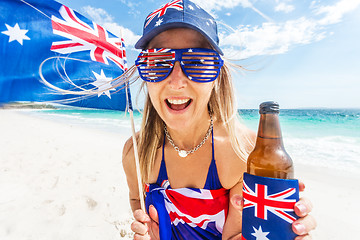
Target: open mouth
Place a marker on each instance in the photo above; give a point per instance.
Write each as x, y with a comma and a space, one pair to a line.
178, 104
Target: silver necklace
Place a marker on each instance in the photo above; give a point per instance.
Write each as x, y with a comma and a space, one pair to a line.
184, 153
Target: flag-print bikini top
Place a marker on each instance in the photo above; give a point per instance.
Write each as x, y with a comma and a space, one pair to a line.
189, 213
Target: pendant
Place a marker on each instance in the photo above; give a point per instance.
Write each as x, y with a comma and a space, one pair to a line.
183, 153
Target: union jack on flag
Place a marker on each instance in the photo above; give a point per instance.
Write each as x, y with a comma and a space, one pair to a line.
85, 38
188, 213
275, 203
269, 207
176, 4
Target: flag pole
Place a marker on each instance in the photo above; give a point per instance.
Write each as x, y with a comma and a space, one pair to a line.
136, 153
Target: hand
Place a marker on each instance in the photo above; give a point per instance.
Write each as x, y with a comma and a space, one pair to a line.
146, 227
306, 222
302, 208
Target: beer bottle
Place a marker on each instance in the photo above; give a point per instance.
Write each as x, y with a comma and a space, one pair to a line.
269, 158
269, 190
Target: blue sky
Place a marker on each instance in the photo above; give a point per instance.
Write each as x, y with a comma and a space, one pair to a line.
299, 53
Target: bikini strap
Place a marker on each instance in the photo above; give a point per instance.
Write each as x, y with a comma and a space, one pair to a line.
162, 172
212, 143
212, 179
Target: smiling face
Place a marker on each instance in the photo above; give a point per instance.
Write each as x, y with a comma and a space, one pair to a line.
180, 102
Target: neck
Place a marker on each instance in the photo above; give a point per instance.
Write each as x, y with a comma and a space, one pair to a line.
187, 139
269, 132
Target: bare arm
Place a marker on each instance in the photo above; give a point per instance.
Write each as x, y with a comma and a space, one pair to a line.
232, 170
232, 226
144, 226
128, 162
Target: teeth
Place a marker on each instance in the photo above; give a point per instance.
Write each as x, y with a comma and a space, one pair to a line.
178, 101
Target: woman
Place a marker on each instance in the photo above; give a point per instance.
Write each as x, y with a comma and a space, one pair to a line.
190, 142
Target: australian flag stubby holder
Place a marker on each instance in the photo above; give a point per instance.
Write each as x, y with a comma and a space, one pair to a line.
269, 208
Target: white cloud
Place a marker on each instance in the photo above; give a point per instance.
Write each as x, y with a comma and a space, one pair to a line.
130, 3
98, 14
284, 7
216, 5
210, 5
133, 5
313, 4
101, 17
275, 38
334, 14
272, 38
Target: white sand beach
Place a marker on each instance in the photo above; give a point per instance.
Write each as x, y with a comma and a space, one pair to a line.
59, 181
62, 181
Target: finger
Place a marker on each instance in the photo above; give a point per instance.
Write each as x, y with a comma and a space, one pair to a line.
139, 228
304, 225
154, 230
304, 237
153, 214
141, 216
142, 237
154, 224
303, 207
237, 201
301, 186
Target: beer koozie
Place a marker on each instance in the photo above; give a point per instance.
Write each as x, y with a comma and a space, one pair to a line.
269, 208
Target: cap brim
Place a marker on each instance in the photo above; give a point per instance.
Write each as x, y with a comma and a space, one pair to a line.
144, 40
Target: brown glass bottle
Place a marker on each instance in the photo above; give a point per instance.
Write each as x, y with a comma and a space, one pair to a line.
269, 158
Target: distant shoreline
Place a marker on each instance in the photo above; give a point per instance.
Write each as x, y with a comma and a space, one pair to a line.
39, 105
27, 105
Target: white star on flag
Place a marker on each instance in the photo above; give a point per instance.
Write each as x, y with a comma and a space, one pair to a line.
190, 50
159, 22
191, 7
15, 33
103, 84
259, 234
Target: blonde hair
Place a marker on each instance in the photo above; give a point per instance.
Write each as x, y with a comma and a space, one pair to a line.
221, 105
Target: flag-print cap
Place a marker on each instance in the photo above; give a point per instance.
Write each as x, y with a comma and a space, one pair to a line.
177, 14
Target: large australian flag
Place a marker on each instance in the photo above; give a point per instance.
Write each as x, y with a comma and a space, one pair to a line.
50, 53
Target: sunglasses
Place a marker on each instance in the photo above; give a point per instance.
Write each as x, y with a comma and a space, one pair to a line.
198, 64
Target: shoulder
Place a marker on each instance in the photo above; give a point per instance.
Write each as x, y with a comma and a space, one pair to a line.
230, 164
128, 154
249, 136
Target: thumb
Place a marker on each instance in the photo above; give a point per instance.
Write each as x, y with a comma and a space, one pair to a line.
237, 201
153, 214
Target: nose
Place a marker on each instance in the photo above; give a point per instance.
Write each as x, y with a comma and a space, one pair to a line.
177, 78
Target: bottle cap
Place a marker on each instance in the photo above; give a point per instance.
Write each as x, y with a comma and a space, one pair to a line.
269, 107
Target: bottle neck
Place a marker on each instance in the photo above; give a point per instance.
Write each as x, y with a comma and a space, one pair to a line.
269, 129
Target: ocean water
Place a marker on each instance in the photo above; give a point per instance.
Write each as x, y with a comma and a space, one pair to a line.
317, 137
